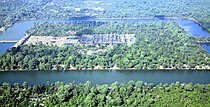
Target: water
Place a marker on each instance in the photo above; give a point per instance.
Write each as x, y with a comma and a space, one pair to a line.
19, 29
206, 47
192, 27
5, 46
105, 77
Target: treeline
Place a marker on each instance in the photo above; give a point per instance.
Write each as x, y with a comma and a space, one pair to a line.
197, 9
205, 40
116, 94
15, 10
158, 46
64, 29
88, 27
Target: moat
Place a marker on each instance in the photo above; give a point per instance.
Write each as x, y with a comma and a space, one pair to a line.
106, 76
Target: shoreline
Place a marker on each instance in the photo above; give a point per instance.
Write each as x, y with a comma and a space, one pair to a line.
203, 42
111, 69
3, 28
188, 18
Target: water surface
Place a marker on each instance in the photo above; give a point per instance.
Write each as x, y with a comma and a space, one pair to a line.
105, 77
192, 27
206, 47
5, 46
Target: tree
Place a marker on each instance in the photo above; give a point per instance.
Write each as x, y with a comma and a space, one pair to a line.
188, 87
25, 85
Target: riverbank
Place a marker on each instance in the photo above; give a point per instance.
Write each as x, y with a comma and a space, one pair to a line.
189, 18
3, 28
201, 68
203, 40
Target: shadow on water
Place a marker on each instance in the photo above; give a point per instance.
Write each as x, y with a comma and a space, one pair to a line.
81, 18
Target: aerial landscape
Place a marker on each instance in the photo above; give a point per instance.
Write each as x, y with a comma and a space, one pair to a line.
94, 53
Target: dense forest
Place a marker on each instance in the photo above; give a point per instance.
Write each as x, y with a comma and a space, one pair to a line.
66, 29
132, 94
12, 11
158, 45
15, 10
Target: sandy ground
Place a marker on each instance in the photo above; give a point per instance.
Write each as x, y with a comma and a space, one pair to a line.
50, 40
59, 41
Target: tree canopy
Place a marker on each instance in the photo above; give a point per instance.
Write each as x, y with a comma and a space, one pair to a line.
116, 94
158, 45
